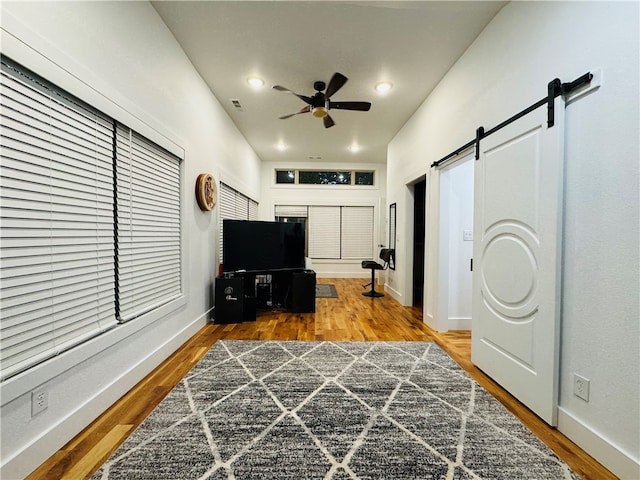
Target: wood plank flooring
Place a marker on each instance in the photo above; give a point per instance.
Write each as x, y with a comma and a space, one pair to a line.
351, 317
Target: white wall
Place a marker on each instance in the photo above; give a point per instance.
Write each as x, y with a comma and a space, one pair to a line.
506, 69
120, 57
342, 195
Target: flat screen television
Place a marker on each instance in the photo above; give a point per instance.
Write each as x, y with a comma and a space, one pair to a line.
254, 246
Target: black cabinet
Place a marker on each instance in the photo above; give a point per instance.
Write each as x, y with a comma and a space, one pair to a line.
236, 297
235, 303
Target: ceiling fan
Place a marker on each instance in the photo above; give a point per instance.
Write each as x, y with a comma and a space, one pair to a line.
320, 103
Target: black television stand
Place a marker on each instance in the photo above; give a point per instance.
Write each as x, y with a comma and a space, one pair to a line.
238, 294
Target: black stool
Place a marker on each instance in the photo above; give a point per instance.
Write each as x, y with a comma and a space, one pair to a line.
385, 254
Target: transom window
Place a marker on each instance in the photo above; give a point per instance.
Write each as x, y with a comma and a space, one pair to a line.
325, 177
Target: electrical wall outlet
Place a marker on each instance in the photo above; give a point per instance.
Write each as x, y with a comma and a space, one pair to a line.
467, 235
581, 387
39, 401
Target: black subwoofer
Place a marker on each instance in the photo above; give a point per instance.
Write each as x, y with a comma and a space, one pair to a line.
303, 292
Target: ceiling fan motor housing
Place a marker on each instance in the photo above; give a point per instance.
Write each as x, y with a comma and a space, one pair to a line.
320, 103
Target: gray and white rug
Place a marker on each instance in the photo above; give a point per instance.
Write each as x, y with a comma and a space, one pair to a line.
326, 290
331, 410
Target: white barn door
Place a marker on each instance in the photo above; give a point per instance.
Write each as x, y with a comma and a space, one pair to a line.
517, 252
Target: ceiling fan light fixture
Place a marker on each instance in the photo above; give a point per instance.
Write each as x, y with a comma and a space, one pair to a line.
319, 112
383, 87
255, 82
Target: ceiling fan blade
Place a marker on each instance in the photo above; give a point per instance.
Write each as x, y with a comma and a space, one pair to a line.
304, 98
361, 106
306, 109
336, 83
328, 122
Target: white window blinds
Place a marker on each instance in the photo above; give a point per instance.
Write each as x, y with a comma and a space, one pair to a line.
298, 211
56, 214
340, 232
357, 232
253, 210
148, 225
324, 232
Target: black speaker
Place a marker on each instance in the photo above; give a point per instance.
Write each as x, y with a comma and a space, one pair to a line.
263, 294
303, 292
232, 305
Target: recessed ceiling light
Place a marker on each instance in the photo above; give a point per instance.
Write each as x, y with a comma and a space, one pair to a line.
354, 148
383, 87
281, 146
255, 82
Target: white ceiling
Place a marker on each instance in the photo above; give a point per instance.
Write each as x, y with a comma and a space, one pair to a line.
294, 43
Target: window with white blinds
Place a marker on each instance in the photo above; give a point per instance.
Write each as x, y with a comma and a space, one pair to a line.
324, 232
234, 205
297, 211
148, 225
340, 232
56, 222
89, 222
357, 232
253, 210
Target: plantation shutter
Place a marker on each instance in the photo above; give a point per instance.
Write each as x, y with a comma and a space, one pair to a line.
324, 232
148, 225
56, 221
357, 232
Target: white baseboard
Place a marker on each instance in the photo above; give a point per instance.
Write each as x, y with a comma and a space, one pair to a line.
50, 441
394, 293
605, 452
430, 320
463, 323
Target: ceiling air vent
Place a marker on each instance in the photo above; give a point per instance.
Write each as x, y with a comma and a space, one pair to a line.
236, 103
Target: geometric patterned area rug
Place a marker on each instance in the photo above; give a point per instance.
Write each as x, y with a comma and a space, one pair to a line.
331, 410
326, 290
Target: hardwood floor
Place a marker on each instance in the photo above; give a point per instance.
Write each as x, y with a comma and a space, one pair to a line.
350, 317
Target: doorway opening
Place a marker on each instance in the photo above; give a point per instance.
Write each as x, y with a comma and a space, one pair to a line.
419, 229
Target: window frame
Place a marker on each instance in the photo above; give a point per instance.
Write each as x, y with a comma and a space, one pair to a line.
343, 239
16, 383
352, 182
